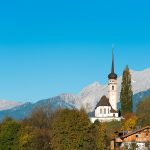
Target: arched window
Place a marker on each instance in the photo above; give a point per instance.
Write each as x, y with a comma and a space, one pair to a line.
104, 111
113, 87
100, 111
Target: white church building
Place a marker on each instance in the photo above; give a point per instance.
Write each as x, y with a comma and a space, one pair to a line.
106, 109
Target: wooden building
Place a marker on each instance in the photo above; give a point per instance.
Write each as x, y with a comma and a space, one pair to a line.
138, 139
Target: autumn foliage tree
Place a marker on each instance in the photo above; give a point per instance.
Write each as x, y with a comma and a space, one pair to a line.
25, 137
35, 131
111, 128
129, 122
143, 112
72, 131
100, 135
9, 139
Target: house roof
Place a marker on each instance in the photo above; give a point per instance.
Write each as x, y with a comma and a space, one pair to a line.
134, 132
104, 101
113, 111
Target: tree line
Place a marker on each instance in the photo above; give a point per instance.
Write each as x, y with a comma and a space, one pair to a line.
66, 129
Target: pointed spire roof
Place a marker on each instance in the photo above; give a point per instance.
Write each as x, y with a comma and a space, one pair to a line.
112, 68
112, 75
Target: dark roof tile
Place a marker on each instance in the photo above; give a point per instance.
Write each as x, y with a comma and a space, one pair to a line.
113, 111
104, 101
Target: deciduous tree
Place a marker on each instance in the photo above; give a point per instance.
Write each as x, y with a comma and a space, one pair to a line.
71, 130
9, 139
143, 112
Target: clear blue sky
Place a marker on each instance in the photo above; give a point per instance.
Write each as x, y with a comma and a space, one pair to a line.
52, 47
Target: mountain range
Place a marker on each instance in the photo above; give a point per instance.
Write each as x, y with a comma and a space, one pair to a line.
87, 98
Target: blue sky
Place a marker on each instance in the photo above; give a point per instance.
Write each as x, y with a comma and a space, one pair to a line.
53, 47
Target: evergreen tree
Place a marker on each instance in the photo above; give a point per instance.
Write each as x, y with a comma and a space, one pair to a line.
126, 92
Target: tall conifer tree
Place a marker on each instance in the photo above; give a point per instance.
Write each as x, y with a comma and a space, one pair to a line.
126, 92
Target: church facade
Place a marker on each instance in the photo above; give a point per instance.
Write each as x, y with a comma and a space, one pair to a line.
106, 109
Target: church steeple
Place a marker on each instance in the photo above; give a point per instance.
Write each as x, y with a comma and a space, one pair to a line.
112, 75
113, 85
112, 69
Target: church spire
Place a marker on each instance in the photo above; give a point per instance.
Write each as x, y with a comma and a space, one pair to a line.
112, 75
112, 69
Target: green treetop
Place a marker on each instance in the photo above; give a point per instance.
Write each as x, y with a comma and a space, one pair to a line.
126, 92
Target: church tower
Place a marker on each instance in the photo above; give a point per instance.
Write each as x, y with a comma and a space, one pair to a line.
106, 108
112, 84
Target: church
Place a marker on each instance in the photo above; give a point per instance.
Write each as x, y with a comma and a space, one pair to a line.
106, 109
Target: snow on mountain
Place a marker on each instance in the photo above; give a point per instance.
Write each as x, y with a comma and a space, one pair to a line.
5, 104
91, 94
70, 98
140, 80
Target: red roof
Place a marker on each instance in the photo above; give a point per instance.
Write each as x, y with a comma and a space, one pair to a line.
134, 132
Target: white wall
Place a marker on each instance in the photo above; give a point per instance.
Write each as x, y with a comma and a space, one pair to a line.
141, 146
102, 119
113, 93
108, 114
97, 111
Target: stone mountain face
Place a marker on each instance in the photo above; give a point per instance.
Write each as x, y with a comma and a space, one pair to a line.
87, 98
140, 81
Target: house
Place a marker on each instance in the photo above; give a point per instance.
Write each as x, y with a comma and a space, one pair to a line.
138, 139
